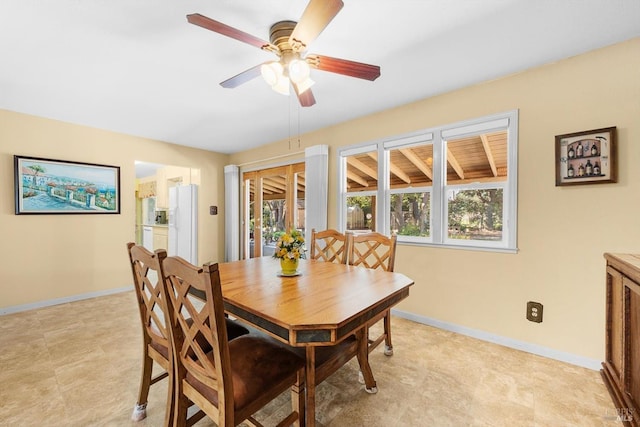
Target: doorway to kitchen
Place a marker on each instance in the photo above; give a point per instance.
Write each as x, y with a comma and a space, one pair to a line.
274, 203
166, 208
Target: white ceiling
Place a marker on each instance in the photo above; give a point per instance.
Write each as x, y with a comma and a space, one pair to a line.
139, 68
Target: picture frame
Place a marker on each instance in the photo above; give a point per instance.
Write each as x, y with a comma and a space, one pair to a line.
48, 186
587, 157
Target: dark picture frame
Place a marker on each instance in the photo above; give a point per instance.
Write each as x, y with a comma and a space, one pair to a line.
48, 186
587, 157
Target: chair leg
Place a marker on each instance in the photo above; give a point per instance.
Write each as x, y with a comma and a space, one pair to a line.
388, 347
171, 407
297, 399
181, 403
140, 410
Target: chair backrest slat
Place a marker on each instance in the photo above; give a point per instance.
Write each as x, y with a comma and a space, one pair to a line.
145, 266
329, 245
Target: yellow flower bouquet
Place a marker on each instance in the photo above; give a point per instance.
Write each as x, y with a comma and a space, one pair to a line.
290, 246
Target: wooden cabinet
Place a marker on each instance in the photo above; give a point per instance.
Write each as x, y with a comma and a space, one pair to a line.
621, 368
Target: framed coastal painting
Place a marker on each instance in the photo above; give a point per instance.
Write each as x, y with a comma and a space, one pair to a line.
587, 157
47, 186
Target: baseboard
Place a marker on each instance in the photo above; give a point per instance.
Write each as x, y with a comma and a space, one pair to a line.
48, 303
463, 330
550, 353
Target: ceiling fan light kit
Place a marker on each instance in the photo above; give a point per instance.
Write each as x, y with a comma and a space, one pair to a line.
282, 85
298, 70
278, 76
271, 72
289, 40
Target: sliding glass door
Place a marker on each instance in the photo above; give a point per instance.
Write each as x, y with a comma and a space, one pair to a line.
273, 205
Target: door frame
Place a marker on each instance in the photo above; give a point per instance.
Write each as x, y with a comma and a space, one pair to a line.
289, 171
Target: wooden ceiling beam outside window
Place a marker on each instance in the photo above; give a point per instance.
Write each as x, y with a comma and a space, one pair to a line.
394, 169
252, 189
417, 162
451, 159
274, 184
477, 158
267, 189
362, 167
355, 178
302, 185
487, 150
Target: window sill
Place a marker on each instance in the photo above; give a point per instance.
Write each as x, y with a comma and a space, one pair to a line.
460, 247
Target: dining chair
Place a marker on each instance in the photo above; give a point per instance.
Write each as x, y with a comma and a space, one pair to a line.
329, 245
374, 250
146, 266
233, 379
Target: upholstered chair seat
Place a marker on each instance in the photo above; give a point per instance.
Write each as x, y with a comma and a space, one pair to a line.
257, 364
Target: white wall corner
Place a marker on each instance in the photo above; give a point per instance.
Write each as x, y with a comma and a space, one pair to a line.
317, 192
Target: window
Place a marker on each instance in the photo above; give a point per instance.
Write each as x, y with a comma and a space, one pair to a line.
361, 188
410, 176
453, 185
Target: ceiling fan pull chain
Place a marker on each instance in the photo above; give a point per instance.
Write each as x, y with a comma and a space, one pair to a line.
289, 127
298, 108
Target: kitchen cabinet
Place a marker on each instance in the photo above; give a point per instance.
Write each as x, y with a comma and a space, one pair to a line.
621, 368
146, 189
170, 176
160, 237
162, 194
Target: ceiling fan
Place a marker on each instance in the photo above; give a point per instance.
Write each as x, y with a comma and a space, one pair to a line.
289, 41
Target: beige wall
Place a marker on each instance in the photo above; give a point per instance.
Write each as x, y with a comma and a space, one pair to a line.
562, 231
45, 257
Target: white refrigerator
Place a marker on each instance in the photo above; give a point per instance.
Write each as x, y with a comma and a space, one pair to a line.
183, 222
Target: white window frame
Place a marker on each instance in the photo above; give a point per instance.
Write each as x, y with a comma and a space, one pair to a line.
342, 182
438, 137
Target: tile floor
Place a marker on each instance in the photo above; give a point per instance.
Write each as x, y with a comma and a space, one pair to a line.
78, 364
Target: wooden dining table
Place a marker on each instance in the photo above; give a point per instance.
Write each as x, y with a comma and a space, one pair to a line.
323, 305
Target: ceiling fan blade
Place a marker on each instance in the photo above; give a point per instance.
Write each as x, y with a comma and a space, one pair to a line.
306, 98
343, 66
242, 78
225, 30
314, 19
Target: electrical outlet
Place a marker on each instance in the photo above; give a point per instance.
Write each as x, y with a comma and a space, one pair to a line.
534, 312
213, 210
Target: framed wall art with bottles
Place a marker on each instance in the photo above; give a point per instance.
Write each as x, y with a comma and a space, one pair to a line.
587, 157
